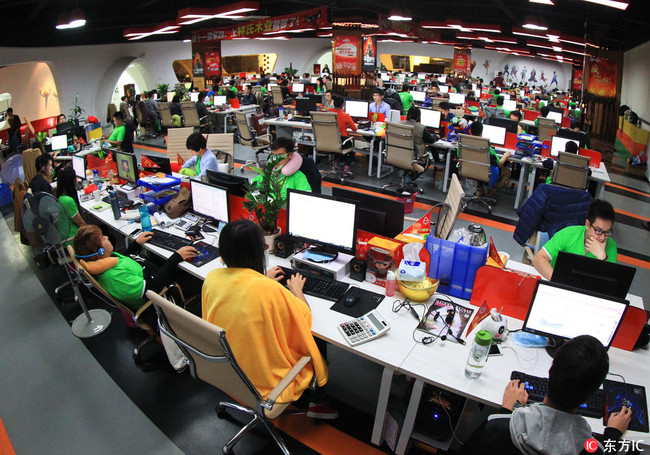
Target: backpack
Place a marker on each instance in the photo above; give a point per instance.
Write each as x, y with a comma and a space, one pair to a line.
393, 99
179, 204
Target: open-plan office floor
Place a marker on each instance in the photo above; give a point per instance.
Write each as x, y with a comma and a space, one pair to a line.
62, 395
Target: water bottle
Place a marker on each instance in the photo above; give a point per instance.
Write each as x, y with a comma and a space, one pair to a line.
478, 354
145, 220
114, 205
390, 283
96, 179
281, 113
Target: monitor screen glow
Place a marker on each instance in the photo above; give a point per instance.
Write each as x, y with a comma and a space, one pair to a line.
556, 116
558, 144
456, 98
298, 88
220, 100
506, 96
510, 105
209, 200
127, 166
59, 142
496, 134
79, 166
430, 118
194, 96
568, 313
442, 79
385, 77
443, 88
418, 96
357, 108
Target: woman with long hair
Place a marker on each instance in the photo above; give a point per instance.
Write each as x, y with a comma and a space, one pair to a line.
66, 192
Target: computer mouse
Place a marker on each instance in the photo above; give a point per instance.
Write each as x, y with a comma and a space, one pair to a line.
350, 301
208, 228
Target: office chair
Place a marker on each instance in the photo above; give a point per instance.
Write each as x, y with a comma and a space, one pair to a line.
400, 148
571, 170
112, 109
192, 120
474, 156
165, 115
29, 164
211, 360
176, 140
149, 129
276, 96
261, 144
327, 137
222, 144
546, 128
449, 209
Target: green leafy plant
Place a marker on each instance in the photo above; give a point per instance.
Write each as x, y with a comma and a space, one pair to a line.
291, 70
76, 111
180, 90
162, 90
261, 196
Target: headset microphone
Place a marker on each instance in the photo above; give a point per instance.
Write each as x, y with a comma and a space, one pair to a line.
99, 252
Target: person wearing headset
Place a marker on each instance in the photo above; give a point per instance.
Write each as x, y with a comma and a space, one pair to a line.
122, 277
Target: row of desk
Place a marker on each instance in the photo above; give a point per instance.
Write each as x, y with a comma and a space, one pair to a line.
440, 363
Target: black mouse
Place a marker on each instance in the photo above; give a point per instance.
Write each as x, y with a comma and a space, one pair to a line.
350, 301
208, 228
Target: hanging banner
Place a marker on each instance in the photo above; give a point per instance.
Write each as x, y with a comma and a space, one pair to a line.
602, 78
577, 79
369, 53
314, 18
462, 60
346, 53
206, 59
406, 30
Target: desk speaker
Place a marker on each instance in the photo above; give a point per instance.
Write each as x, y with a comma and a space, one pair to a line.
358, 269
283, 246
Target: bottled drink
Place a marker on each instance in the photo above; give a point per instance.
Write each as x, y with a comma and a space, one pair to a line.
281, 112
144, 218
478, 354
114, 205
96, 178
390, 283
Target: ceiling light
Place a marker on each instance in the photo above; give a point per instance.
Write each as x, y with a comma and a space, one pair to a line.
188, 16
165, 28
533, 22
612, 3
543, 2
187, 40
77, 18
397, 14
63, 22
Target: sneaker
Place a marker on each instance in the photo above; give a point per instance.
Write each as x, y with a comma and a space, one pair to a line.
322, 411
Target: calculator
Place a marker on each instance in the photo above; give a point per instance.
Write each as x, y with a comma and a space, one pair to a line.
365, 328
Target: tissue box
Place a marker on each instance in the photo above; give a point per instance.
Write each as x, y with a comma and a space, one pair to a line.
411, 270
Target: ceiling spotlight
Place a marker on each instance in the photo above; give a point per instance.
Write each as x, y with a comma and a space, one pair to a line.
612, 3
63, 22
533, 22
77, 18
543, 2
397, 14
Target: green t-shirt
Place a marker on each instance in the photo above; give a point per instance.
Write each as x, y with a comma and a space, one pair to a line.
125, 282
118, 134
71, 210
296, 181
407, 101
572, 240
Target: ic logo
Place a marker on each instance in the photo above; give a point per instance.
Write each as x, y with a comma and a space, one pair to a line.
591, 445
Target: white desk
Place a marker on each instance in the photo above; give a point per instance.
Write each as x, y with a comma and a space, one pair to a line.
231, 112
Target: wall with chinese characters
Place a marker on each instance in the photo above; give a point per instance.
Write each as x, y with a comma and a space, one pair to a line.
636, 90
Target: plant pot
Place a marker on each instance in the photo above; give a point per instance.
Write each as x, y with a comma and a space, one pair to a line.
270, 240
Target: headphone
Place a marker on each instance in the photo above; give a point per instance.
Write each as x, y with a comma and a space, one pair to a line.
100, 252
447, 320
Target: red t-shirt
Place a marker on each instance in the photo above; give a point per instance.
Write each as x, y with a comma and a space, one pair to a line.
345, 121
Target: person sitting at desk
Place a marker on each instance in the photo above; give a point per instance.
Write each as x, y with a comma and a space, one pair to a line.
292, 177
203, 158
344, 122
66, 192
201, 108
122, 277
247, 96
516, 116
119, 131
579, 368
61, 119
152, 104
406, 97
230, 87
379, 106
284, 89
328, 100
305, 79
594, 239
268, 326
421, 136
40, 182
445, 113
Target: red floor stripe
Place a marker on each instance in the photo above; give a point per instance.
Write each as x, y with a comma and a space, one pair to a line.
633, 261
153, 149
6, 448
633, 215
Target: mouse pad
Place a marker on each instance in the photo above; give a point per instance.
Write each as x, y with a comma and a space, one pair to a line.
633, 396
367, 301
206, 254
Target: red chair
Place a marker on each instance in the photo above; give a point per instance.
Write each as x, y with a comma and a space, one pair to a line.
594, 157
530, 115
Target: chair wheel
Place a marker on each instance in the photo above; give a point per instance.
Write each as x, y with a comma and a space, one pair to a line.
227, 451
221, 412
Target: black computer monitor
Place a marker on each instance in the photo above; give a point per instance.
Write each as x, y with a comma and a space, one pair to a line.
580, 136
210, 201
65, 128
509, 125
326, 223
559, 110
235, 185
305, 105
375, 214
162, 164
127, 166
603, 277
562, 313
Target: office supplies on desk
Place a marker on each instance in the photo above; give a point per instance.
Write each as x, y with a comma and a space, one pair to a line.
168, 241
205, 253
633, 397
364, 301
446, 318
317, 285
538, 387
365, 328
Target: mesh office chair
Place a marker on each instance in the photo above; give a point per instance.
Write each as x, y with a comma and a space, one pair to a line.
474, 157
146, 126
276, 96
546, 128
165, 115
328, 140
112, 109
192, 120
399, 152
211, 360
261, 144
571, 170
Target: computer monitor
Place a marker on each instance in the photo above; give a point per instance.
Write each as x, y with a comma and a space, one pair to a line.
161, 164
79, 166
509, 125
357, 108
430, 118
297, 88
194, 96
563, 313
66, 128
375, 214
580, 136
422, 75
456, 98
442, 79
475, 89
170, 96
325, 222
496, 134
510, 105
591, 274
59, 142
385, 77
522, 94
506, 96
235, 184
559, 110
209, 201
418, 96
220, 100
556, 116
127, 166
314, 79
305, 104
443, 89
558, 144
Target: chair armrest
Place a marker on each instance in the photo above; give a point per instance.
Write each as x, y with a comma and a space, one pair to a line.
147, 304
268, 136
288, 379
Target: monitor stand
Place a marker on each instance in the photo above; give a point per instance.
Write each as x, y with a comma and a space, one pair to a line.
128, 187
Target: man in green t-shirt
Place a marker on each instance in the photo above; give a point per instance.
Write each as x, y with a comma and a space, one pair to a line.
119, 131
293, 177
406, 97
594, 239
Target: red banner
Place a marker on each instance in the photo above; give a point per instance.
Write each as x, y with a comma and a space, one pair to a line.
346, 53
577, 79
369, 53
602, 78
462, 60
206, 59
313, 18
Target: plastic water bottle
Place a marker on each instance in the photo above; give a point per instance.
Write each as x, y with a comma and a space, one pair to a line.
390, 283
281, 113
478, 354
114, 205
145, 220
96, 179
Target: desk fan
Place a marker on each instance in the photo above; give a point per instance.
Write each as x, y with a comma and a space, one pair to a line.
47, 226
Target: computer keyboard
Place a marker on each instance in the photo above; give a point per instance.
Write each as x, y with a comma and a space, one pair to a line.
168, 241
537, 388
317, 286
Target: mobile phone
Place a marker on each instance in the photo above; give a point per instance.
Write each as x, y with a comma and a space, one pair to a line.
135, 233
495, 349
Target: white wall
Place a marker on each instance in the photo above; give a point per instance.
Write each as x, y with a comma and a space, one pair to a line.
636, 85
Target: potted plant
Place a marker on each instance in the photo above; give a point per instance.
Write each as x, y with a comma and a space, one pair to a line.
291, 71
76, 111
261, 197
162, 91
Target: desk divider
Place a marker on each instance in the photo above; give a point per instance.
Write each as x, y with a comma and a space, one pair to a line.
511, 141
